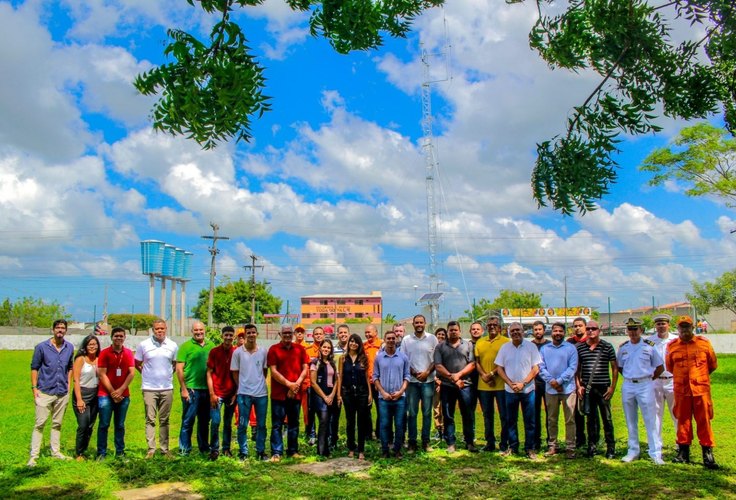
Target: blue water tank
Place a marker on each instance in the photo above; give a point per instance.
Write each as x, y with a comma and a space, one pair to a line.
152, 256
185, 276
169, 260
179, 264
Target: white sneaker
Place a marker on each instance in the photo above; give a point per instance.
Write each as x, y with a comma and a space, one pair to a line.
60, 456
630, 457
31, 463
658, 461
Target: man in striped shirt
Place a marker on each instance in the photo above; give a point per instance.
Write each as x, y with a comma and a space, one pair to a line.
595, 357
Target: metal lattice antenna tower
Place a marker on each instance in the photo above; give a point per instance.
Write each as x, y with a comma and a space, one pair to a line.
431, 164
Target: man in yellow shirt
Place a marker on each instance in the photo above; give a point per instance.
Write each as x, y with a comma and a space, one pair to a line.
490, 385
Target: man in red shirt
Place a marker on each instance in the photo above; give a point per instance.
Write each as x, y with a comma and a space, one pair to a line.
115, 369
289, 364
222, 393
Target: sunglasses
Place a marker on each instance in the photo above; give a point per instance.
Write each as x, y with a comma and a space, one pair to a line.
591, 329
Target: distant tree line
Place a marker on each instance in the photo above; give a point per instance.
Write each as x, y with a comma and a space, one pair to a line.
31, 311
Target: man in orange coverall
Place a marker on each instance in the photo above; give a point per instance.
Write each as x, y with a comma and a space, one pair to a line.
691, 360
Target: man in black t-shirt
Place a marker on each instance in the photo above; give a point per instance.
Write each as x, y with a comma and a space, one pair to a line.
595, 358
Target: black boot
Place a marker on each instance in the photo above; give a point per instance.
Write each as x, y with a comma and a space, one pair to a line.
683, 454
709, 460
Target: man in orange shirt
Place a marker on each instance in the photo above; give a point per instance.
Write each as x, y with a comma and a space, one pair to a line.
691, 360
371, 346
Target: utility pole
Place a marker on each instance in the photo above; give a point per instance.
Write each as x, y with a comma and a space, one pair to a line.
252, 268
213, 251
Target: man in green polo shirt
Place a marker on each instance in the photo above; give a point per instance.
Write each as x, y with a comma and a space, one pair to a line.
191, 370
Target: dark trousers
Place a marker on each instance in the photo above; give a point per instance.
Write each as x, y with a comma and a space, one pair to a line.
325, 414
216, 416
486, 403
600, 407
335, 424
310, 429
526, 401
288, 409
86, 419
452, 396
356, 410
539, 423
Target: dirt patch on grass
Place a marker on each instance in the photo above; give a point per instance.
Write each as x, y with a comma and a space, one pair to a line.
341, 465
162, 491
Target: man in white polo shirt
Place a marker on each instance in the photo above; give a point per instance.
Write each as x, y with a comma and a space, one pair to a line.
155, 359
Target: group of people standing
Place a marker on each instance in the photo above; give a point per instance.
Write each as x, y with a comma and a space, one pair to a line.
438, 372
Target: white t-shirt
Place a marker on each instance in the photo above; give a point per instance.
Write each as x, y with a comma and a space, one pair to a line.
158, 364
251, 381
517, 362
420, 353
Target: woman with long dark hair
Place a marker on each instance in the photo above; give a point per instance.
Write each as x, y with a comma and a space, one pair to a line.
355, 394
324, 376
84, 373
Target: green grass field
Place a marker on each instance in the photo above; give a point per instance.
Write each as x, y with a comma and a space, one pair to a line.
433, 475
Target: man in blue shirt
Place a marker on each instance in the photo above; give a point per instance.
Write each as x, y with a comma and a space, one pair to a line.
51, 373
391, 377
557, 369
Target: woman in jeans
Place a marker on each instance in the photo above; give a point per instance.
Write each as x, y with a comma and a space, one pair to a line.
355, 394
324, 378
84, 373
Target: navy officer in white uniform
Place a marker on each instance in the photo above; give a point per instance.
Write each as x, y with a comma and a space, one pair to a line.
640, 364
664, 390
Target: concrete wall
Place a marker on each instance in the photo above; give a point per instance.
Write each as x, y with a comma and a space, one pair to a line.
722, 343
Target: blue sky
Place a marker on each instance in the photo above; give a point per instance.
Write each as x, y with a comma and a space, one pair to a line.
331, 194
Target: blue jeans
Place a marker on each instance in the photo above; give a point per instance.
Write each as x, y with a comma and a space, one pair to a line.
513, 400
392, 412
227, 429
245, 403
197, 407
416, 392
486, 403
108, 408
465, 399
280, 410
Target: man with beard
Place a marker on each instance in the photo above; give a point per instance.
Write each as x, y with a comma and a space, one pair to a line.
454, 361
51, 372
558, 367
419, 348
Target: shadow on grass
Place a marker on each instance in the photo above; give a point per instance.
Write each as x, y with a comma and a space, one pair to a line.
14, 482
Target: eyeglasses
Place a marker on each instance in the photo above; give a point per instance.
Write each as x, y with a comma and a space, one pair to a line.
591, 329
493, 325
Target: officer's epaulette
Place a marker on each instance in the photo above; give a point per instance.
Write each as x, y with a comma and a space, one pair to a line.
623, 344
648, 342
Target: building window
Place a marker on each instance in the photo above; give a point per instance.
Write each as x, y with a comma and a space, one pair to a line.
359, 302
340, 315
323, 302
324, 315
305, 315
358, 315
341, 302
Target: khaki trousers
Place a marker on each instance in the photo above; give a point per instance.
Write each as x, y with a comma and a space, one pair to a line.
568, 402
48, 406
158, 403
